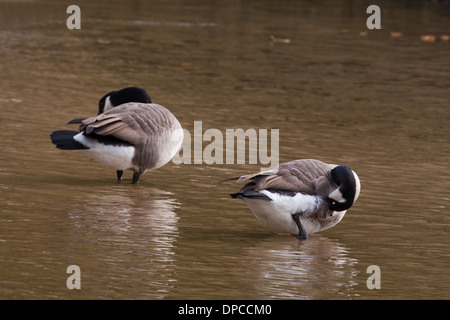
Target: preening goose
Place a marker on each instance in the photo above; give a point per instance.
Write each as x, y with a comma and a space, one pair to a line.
301, 196
129, 132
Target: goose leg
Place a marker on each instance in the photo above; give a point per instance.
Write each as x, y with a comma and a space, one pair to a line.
137, 175
301, 231
119, 175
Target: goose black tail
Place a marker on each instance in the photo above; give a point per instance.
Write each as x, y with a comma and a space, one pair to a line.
63, 139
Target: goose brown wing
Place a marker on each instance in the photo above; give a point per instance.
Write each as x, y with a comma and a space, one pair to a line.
128, 122
305, 176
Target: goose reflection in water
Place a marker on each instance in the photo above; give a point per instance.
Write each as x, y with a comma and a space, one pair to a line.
121, 212
129, 240
314, 269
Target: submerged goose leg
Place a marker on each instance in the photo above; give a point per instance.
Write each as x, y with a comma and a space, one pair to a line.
119, 175
137, 175
301, 231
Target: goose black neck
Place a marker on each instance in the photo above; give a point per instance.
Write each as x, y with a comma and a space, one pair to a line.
344, 178
125, 95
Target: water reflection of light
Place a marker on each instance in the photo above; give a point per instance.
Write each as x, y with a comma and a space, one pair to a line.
319, 268
127, 211
128, 240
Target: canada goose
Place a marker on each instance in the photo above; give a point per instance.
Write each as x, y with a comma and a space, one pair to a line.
129, 132
301, 196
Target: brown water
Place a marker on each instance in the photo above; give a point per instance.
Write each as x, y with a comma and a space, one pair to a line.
336, 91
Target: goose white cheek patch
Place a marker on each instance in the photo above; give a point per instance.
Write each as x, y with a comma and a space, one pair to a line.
337, 195
108, 104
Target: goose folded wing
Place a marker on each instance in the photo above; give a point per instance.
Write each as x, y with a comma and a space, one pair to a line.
283, 180
305, 176
123, 128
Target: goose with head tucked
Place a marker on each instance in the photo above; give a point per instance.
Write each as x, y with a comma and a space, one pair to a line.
129, 133
301, 196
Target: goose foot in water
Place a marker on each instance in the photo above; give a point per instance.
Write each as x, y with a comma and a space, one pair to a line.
302, 235
137, 175
119, 175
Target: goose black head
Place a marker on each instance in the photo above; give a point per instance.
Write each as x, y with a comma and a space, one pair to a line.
345, 195
116, 98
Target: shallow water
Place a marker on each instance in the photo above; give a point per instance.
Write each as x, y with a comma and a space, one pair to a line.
335, 90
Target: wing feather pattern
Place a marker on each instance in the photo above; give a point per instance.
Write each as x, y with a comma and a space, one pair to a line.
129, 122
306, 176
